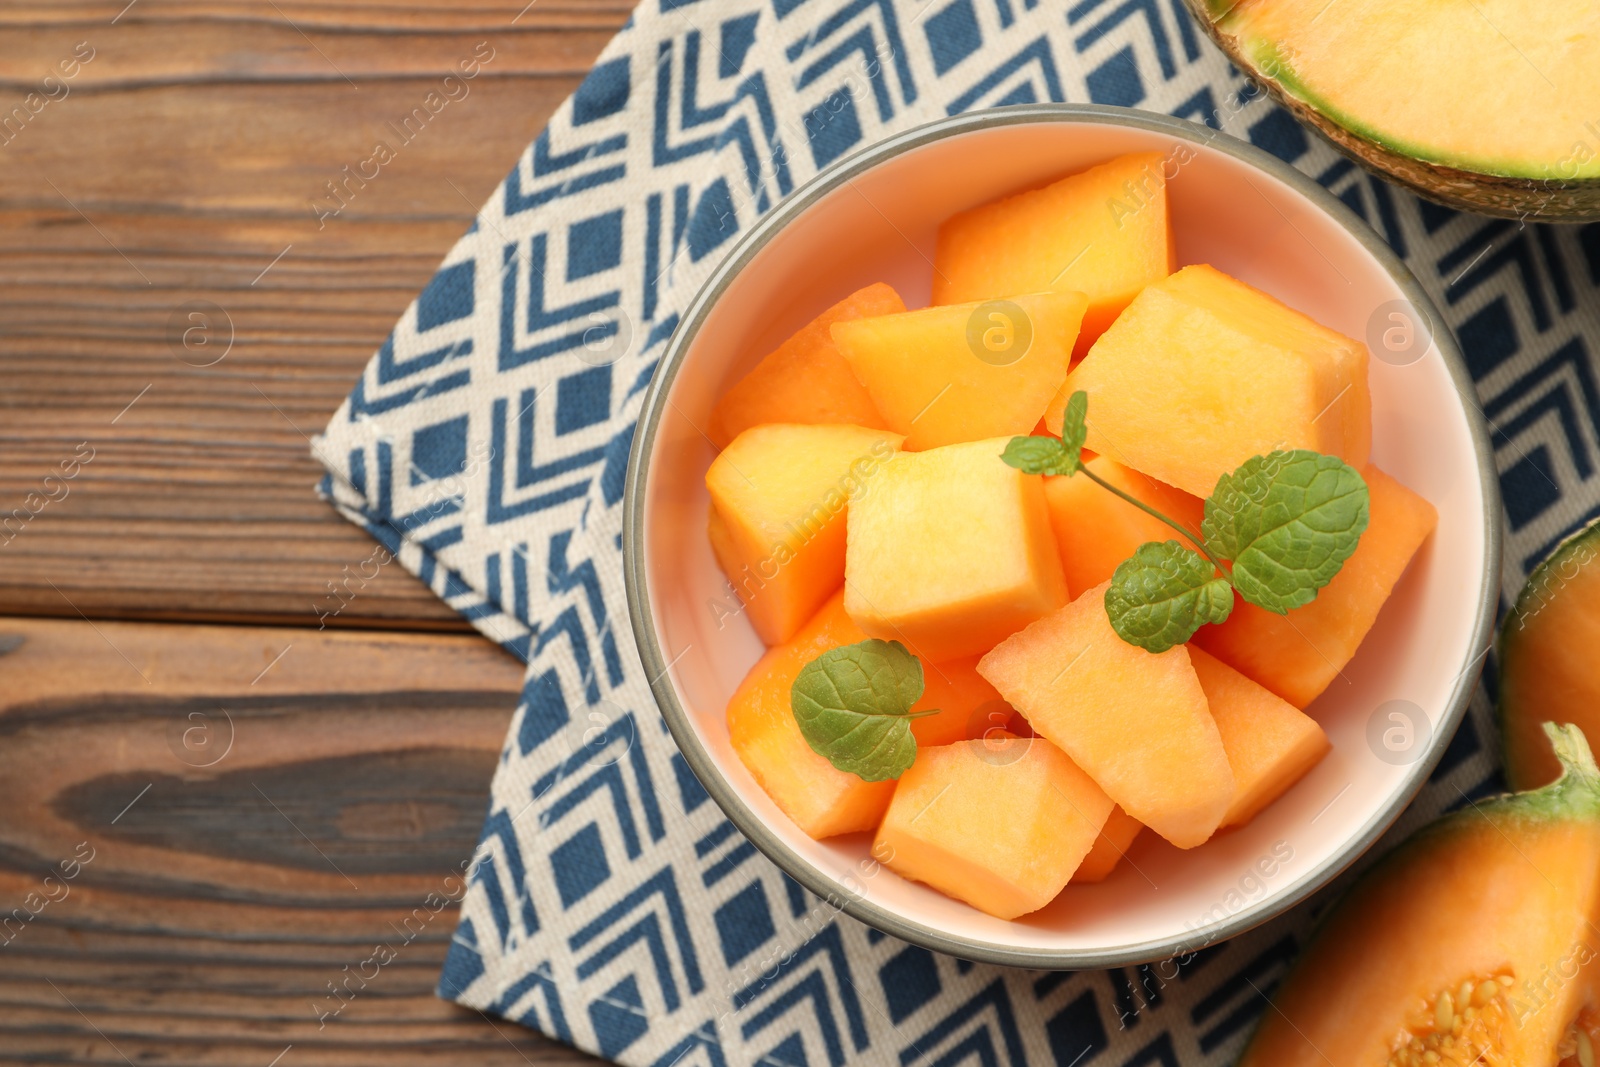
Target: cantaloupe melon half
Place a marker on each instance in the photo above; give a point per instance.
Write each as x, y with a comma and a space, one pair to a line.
1490, 105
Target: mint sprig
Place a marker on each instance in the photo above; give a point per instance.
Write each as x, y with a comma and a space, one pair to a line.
853, 706
1287, 521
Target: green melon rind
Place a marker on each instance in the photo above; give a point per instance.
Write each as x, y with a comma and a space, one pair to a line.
1544, 578
1266, 56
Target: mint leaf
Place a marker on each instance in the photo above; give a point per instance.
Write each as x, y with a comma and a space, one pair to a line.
853, 705
1287, 521
1163, 593
1039, 455
1073, 430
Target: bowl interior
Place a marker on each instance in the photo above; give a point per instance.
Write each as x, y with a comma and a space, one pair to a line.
879, 225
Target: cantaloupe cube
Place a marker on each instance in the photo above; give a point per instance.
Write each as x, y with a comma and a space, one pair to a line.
1297, 655
1136, 722
1270, 743
950, 550
1110, 848
805, 379
943, 375
1000, 824
968, 705
1096, 530
821, 799
780, 493
1202, 372
1103, 232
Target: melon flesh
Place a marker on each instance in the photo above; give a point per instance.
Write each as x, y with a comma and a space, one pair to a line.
943, 375
1000, 823
1202, 372
1096, 530
1103, 232
805, 379
1506, 87
1299, 654
780, 494
1136, 722
822, 800
1270, 743
950, 551
1110, 848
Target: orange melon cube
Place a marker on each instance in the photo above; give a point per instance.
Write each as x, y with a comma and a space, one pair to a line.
968, 705
943, 375
950, 551
805, 379
1270, 743
779, 493
1299, 654
1110, 848
1103, 233
821, 799
1202, 372
1096, 530
1000, 824
1136, 722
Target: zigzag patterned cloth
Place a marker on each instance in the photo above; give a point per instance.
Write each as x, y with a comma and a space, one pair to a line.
613, 906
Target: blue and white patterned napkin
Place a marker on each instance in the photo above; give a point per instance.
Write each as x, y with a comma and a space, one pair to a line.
614, 907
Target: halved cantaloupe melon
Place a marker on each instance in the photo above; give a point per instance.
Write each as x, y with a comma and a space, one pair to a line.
1000, 823
1202, 372
1096, 530
1103, 232
1270, 743
1110, 848
1297, 655
805, 379
950, 550
822, 800
943, 375
1548, 664
780, 495
1476, 941
1137, 722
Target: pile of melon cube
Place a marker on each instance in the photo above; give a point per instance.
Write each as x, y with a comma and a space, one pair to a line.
859, 493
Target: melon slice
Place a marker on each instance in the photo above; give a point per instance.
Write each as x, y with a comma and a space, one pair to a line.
1548, 664
1202, 372
805, 379
1488, 105
1136, 722
822, 800
950, 551
1000, 823
1297, 655
943, 375
1110, 848
780, 494
1103, 232
1096, 530
1270, 743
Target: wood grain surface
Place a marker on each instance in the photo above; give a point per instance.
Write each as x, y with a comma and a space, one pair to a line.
247, 810
181, 166
241, 824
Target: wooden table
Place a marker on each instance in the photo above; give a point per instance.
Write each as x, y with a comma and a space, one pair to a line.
247, 804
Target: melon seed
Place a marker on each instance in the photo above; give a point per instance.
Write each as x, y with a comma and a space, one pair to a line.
1484, 993
1444, 1012
1585, 1049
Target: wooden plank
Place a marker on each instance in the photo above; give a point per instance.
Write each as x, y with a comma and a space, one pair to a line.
321, 794
183, 167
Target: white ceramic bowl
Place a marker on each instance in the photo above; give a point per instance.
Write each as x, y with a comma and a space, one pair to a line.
874, 218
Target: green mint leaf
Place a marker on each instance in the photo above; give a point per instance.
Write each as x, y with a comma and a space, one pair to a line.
1038, 455
1073, 430
853, 705
1163, 593
1287, 521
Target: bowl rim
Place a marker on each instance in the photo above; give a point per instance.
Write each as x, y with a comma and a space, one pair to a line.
699, 759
